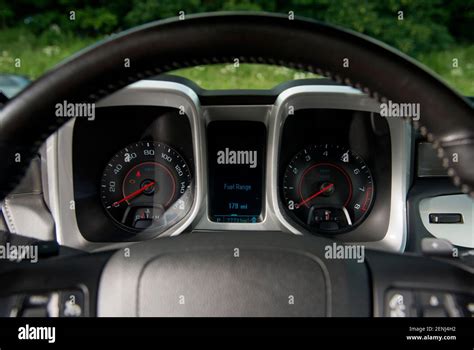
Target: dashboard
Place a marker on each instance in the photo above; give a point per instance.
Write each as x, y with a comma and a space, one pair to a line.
163, 157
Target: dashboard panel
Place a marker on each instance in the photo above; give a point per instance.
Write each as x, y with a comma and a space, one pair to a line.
164, 157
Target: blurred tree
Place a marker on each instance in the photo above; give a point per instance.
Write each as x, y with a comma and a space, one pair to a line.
149, 10
427, 24
6, 14
97, 20
461, 21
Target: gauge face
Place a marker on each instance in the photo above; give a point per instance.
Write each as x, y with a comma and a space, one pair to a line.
327, 188
146, 186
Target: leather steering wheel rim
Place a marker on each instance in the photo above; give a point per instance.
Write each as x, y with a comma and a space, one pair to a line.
447, 119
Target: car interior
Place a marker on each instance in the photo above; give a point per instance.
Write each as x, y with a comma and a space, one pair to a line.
145, 195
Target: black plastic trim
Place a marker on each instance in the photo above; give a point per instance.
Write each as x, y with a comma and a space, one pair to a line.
242, 96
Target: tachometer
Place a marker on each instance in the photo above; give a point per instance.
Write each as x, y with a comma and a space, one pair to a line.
146, 185
327, 188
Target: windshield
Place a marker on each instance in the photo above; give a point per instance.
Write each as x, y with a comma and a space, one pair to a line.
35, 36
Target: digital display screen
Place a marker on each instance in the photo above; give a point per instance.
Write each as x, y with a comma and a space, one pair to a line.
236, 162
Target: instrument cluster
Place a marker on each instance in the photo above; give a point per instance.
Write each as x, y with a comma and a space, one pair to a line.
325, 171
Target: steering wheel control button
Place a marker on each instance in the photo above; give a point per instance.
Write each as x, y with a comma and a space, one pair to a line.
426, 303
71, 304
37, 305
63, 303
438, 304
400, 303
467, 305
37, 300
11, 306
431, 299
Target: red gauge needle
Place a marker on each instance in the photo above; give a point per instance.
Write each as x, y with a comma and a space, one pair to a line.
133, 194
324, 189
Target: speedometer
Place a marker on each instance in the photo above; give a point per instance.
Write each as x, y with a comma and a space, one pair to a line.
146, 185
328, 188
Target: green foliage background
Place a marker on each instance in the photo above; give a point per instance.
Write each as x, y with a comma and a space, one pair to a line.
433, 31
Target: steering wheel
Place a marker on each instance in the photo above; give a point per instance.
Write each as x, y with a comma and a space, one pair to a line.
271, 268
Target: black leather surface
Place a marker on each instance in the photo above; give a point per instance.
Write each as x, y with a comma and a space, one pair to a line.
215, 283
28, 119
199, 274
